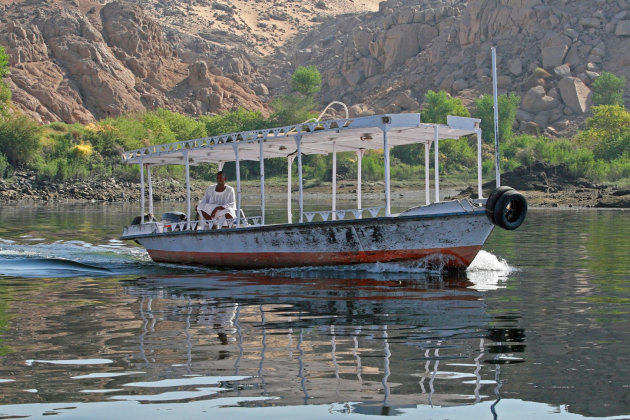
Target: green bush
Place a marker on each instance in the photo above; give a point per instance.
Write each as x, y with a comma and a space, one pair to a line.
306, 80
608, 89
607, 132
19, 139
184, 127
234, 121
291, 109
508, 104
439, 105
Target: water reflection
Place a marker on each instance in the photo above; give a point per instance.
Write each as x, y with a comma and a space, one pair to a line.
383, 341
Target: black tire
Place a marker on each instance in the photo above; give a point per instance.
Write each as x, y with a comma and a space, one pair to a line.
510, 210
492, 200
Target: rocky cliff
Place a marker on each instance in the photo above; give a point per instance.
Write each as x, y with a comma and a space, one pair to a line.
549, 53
79, 60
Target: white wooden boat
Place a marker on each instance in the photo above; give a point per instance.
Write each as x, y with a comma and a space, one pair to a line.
443, 234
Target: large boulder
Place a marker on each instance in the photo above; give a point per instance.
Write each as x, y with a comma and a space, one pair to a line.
536, 101
623, 28
575, 94
554, 49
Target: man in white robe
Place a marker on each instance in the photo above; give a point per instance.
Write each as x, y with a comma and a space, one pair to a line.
218, 203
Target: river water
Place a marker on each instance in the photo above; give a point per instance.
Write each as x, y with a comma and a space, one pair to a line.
90, 328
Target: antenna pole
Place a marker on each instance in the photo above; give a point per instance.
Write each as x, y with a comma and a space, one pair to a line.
496, 117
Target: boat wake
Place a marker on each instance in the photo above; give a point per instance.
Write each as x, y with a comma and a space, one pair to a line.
77, 259
486, 272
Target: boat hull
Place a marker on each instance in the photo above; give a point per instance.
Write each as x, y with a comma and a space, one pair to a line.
446, 241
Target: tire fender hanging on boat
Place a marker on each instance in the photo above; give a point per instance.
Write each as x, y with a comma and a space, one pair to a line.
506, 208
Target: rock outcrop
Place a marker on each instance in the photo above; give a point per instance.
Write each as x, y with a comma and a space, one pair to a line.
71, 65
549, 52
86, 60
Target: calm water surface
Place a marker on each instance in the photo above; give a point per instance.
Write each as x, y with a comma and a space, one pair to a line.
91, 329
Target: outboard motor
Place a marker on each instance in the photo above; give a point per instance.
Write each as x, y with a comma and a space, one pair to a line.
506, 208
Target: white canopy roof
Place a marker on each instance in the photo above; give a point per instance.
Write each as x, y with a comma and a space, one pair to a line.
351, 134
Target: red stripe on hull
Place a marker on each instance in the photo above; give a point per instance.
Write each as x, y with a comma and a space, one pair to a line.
454, 258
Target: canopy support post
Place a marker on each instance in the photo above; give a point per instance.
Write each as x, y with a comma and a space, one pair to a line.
262, 183
298, 142
220, 165
386, 159
141, 192
187, 188
359, 162
238, 184
479, 164
150, 192
495, 95
289, 175
427, 174
437, 164
334, 182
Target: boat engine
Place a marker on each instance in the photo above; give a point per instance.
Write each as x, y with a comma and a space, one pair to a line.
506, 208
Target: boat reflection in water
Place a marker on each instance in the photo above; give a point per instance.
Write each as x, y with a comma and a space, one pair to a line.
369, 343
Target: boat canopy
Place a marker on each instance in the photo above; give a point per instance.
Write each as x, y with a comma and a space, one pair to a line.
309, 138
321, 137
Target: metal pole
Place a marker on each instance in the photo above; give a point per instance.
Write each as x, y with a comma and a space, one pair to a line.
479, 166
359, 161
437, 164
298, 141
496, 117
334, 182
262, 182
238, 184
387, 186
187, 187
427, 174
289, 175
141, 192
150, 190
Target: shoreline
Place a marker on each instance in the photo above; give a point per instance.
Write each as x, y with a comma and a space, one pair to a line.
552, 193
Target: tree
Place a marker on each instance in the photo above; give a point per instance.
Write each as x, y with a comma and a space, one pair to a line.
608, 89
607, 132
306, 80
440, 105
508, 104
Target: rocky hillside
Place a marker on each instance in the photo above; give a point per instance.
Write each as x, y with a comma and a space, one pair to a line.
549, 51
78, 60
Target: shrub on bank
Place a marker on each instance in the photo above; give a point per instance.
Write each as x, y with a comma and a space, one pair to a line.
19, 139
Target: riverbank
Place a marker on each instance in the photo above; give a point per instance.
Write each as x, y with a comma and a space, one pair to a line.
542, 187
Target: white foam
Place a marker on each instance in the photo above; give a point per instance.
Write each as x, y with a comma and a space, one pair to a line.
488, 272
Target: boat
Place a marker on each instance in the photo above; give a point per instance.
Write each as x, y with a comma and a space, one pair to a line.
437, 234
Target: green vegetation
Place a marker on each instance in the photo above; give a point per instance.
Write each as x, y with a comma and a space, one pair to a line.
508, 104
608, 89
62, 151
19, 139
5, 92
440, 105
306, 80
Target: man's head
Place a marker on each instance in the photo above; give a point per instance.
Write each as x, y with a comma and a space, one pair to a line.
220, 178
